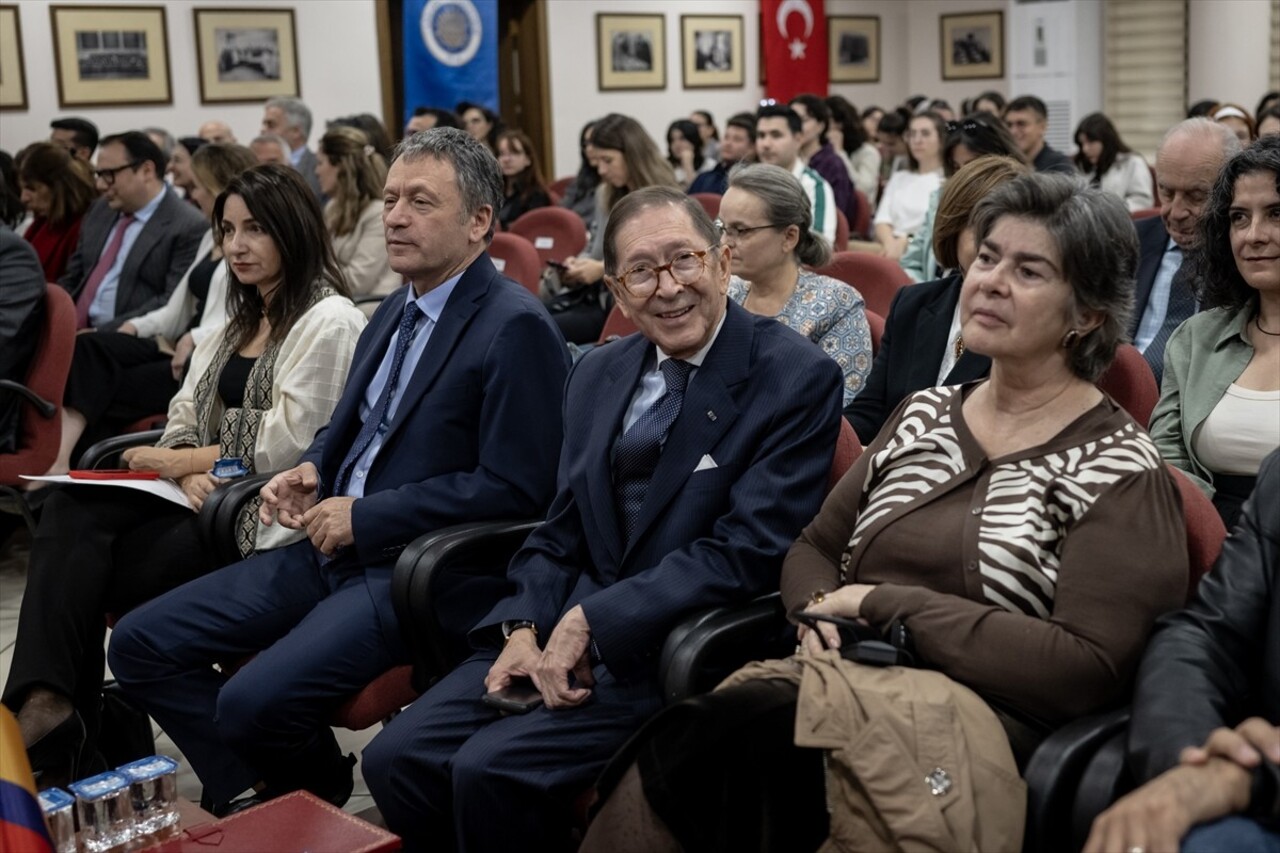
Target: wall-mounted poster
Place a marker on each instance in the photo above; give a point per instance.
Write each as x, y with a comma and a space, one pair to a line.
711, 48
972, 46
246, 55
111, 56
13, 80
854, 48
631, 51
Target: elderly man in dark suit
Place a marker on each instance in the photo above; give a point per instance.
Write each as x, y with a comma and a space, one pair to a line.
451, 414
135, 242
694, 452
1187, 163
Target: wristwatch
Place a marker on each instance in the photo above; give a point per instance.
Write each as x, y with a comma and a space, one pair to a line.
512, 625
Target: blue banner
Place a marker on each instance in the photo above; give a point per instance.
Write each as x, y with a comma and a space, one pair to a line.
450, 53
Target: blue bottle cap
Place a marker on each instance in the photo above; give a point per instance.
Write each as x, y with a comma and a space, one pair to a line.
145, 769
229, 467
102, 785
54, 799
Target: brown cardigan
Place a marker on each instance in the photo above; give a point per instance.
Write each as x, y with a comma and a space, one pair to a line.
1034, 578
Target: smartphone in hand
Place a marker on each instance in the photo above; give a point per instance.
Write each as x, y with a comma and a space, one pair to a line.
518, 697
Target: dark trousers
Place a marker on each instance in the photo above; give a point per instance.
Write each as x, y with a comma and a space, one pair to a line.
450, 771
320, 634
116, 379
97, 550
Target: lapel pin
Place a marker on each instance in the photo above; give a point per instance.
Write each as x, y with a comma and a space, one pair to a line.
711, 416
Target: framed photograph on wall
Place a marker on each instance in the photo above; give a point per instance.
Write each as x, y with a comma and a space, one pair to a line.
854, 48
246, 55
631, 51
711, 51
972, 46
13, 79
111, 56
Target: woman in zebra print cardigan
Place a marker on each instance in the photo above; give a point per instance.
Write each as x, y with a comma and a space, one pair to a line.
1023, 528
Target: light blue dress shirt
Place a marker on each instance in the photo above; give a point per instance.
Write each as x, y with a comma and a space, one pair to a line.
429, 305
103, 307
295, 156
1158, 300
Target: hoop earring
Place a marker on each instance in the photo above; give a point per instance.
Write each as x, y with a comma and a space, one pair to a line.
1071, 339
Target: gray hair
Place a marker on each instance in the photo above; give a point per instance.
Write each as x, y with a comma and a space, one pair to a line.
633, 203
166, 142
785, 203
296, 113
1098, 245
475, 168
273, 139
1205, 129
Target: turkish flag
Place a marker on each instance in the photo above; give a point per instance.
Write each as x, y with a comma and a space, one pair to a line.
795, 48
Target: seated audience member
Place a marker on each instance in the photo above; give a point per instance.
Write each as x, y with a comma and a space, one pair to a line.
1269, 122
523, 187
738, 146
1238, 119
258, 390
12, 207
708, 132
482, 123
905, 199
119, 376
164, 141
627, 160
1202, 109
290, 119
684, 152
580, 196
57, 190
942, 108
1203, 735
1111, 164
977, 135
217, 133
22, 295
373, 130
77, 135
923, 345
1187, 164
778, 140
891, 141
1028, 121
871, 121
1219, 409
1266, 102
450, 414
270, 148
425, 118
135, 241
992, 521
352, 174
765, 222
635, 540
849, 140
989, 102
179, 168
818, 154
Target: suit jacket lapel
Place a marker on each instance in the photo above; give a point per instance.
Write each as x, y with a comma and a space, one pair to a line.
150, 235
930, 340
1153, 240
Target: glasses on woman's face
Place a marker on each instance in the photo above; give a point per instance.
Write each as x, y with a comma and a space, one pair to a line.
108, 176
641, 281
737, 232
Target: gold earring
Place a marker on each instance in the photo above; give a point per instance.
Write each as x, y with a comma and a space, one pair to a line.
1071, 339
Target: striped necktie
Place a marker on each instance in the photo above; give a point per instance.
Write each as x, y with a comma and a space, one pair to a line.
636, 452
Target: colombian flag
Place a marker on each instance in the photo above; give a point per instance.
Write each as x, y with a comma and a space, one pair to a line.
22, 828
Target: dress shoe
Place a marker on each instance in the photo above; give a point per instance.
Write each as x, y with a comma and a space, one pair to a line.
336, 789
55, 757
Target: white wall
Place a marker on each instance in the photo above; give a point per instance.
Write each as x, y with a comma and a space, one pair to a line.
337, 59
1227, 52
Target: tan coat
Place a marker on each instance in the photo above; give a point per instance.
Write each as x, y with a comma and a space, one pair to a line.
915, 760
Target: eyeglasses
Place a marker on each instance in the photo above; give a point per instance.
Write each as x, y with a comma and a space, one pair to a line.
108, 176
737, 232
685, 268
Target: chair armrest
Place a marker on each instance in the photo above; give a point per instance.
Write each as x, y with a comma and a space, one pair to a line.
106, 453
43, 407
1053, 775
1105, 779
700, 651
473, 558
218, 514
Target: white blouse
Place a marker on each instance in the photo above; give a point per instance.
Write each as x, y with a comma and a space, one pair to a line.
906, 200
1130, 179
1240, 431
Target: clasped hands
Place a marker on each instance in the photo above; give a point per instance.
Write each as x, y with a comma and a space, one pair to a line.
1212, 781
845, 601
567, 651
290, 498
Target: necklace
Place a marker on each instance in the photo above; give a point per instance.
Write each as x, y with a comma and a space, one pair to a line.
1257, 321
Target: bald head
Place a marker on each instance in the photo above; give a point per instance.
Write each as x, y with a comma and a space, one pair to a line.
1188, 162
216, 131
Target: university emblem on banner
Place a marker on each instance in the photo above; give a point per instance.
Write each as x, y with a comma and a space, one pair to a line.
451, 31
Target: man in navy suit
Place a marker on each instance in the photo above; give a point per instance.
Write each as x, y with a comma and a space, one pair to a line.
451, 413
694, 453
1187, 163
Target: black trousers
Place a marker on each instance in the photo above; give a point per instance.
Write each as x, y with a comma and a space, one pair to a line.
98, 550
116, 379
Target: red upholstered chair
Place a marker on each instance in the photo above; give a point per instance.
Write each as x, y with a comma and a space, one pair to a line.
41, 413
616, 325
876, 278
848, 449
559, 187
861, 227
842, 232
1131, 383
515, 257
876, 322
1144, 213
710, 203
1205, 530
555, 232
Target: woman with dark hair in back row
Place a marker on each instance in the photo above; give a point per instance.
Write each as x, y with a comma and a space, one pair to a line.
256, 393
57, 189
1109, 163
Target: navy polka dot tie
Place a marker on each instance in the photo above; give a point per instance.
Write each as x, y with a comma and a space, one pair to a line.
636, 452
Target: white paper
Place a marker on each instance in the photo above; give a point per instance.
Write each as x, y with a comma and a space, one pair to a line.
544, 242
167, 489
499, 264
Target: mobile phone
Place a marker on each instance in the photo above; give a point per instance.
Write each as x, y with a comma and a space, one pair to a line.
518, 697
851, 630
557, 266
113, 474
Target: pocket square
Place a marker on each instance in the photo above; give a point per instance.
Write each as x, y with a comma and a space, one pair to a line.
706, 463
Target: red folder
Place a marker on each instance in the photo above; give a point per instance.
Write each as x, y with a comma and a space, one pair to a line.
290, 824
